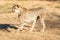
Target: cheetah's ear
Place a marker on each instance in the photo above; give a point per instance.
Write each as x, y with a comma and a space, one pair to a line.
17, 6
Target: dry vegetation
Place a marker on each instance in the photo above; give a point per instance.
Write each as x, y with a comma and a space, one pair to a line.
8, 21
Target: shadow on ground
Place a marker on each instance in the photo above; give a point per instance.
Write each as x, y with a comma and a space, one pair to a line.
6, 26
50, 25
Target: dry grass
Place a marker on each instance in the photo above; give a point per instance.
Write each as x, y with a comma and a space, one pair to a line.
47, 35
7, 18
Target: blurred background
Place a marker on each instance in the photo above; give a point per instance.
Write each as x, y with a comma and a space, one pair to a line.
9, 20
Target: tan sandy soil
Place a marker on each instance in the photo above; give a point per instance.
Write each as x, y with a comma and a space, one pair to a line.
8, 22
